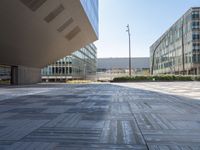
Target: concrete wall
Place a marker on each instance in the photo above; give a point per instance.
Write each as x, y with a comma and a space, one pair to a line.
25, 75
35, 33
29, 39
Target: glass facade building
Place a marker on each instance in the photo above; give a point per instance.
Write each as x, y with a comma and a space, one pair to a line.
5, 74
177, 51
92, 11
79, 65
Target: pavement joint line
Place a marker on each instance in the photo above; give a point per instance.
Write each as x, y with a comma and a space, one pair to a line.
138, 126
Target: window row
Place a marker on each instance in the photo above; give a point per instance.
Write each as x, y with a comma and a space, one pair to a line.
196, 36
195, 15
195, 25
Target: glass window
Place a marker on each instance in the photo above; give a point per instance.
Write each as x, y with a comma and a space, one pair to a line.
196, 36
194, 58
195, 25
198, 58
195, 15
91, 9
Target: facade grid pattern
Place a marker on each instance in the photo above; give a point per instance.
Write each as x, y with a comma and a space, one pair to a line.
177, 51
79, 65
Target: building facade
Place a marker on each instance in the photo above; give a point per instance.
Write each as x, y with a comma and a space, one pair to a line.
35, 33
5, 73
109, 68
91, 9
177, 51
79, 65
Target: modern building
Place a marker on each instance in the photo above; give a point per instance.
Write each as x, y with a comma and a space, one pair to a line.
177, 51
109, 68
35, 33
5, 74
79, 65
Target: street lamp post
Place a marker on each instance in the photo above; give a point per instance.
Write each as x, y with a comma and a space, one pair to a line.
129, 36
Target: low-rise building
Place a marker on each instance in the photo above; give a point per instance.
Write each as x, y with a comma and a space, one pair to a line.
109, 68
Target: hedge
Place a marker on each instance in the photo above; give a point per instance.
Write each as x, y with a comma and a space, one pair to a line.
157, 78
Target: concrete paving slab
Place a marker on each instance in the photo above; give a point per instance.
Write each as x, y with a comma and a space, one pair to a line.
100, 116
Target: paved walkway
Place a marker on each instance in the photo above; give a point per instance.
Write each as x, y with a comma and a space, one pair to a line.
186, 89
98, 117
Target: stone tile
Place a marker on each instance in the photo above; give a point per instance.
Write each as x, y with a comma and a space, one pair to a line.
100, 116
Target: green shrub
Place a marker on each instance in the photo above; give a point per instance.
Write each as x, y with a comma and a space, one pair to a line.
157, 78
197, 78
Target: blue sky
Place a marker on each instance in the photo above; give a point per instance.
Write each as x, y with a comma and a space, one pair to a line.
148, 20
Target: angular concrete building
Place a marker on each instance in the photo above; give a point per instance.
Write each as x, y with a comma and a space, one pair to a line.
35, 33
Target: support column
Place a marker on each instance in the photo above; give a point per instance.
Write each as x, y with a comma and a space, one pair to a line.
25, 75
14, 75
187, 72
198, 70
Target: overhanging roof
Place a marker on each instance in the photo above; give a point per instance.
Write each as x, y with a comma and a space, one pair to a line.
36, 33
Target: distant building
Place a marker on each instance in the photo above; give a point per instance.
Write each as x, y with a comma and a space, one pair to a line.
177, 51
108, 68
79, 65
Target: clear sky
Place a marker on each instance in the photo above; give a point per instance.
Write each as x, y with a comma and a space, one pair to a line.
148, 20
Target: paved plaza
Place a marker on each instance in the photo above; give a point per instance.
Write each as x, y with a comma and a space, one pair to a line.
100, 117
185, 89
